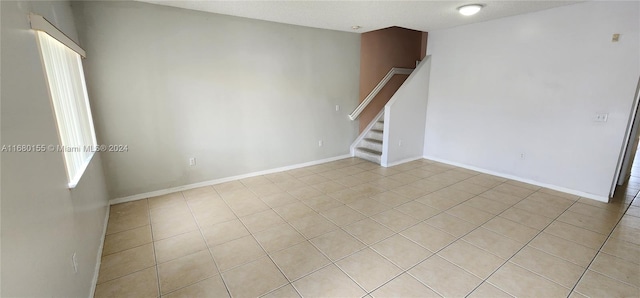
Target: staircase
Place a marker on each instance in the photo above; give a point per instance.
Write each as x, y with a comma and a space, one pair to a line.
370, 147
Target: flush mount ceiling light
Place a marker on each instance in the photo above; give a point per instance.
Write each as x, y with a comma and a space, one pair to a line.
469, 10
355, 27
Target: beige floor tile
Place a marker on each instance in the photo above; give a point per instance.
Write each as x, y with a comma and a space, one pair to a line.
210, 287
167, 201
630, 221
210, 211
279, 199
470, 214
279, 177
501, 197
128, 208
342, 215
602, 225
368, 206
291, 184
294, 211
559, 194
486, 180
347, 195
453, 194
368, 231
395, 220
514, 190
127, 221
570, 251
238, 195
229, 186
368, 269
305, 193
278, 237
389, 183
444, 277
284, 292
617, 268
236, 252
175, 226
511, 229
526, 218
491, 206
195, 192
264, 190
520, 282
486, 290
254, 181
440, 203
401, 251
451, 224
262, 220
417, 210
313, 225
633, 211
391, 198
254, 279
143, 283
539, 208
428, 237
551, 200
313, 179
494, 243
125, 262
594, 284
160, 215
470, 187
299, 260
627, 234
337, 244
556, 269
404, 286
523, 185
244, 207
622, 249
323, 202
126, 239
179, 246
329, 187
328, 282
410, 191
185, 271
590, 210
471, 258
223, 232
579, 235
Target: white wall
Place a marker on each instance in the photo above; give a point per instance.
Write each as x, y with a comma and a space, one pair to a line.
239, 95
532, 84
43, 222
404, 118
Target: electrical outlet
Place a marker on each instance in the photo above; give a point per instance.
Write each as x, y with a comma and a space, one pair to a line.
320, 143
601, 117
192, 161
337, 108
74, 261
522, 156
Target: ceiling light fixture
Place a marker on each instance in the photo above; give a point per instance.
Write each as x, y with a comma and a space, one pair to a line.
469, 10
355, 27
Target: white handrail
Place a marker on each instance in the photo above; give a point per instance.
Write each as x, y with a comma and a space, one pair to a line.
394, 71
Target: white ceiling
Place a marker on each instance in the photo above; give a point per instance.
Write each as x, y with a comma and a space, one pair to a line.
370, 15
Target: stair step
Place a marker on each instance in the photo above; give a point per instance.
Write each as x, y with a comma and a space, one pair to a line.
373, 141
367, 150
377, 130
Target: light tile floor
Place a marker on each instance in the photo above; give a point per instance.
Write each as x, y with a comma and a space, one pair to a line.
351, 228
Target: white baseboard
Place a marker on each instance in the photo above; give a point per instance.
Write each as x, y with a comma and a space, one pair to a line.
529, 181
223, 180
395, 163
94, 283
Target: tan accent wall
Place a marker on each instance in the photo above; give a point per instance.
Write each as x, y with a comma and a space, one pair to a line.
381, 50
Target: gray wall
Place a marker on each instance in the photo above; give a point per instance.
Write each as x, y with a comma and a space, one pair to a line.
43, 222
239, 95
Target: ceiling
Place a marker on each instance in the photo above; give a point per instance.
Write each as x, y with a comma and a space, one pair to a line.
369, 15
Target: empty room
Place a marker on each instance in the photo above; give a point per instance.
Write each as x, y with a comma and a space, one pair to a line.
319, 148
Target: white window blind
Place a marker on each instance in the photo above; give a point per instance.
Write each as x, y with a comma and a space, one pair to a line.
65, 76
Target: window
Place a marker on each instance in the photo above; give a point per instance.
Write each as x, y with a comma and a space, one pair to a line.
68, 92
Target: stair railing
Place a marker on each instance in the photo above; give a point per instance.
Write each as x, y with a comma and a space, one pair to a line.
394, 71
